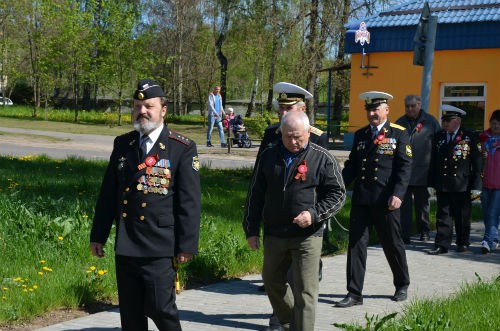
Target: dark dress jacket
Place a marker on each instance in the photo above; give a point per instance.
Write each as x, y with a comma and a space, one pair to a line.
377, 168
156, 206
421, 131
459, 163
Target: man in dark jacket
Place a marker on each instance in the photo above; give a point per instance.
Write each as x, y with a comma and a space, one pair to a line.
379, 166
457, 171
422, 127
151, 189
296, 187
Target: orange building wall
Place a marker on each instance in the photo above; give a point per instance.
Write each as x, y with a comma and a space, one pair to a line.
397, 75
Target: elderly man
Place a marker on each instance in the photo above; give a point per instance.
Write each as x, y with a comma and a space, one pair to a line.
421, 127
296, 187
379, 167
457, 170
151, 190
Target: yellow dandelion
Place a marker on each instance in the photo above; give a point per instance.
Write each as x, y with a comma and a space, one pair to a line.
4, 298
25, 290
17, 279
85, 216
24, 286
60, 238
31, 290
88, 271
42, 261
40, 273
102, 272
5, 289
35, 287
47, 269
92, 268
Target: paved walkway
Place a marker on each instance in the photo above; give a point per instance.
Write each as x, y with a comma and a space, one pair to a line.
238, 305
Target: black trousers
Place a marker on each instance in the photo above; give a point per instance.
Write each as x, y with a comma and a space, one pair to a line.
453, 205
418, 197
146, 288
388, 228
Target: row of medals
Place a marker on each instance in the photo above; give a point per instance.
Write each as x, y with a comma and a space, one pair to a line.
461, 150
156, 180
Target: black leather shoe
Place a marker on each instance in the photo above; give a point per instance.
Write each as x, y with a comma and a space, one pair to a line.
400, 295
424, 237
407, 241
438, 250
223, 145
210, 145
349, 301
462, 248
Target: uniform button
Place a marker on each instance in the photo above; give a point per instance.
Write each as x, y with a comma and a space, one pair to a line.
124, 215
362, 177
127, 189
375, 178
376, 169
446, 159
141, 218
143, 204
364, 160
444, 175
376, 160
456, 167
445, 167
125, 202
455, 175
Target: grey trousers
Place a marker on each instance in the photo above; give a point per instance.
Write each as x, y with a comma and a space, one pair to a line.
294, 306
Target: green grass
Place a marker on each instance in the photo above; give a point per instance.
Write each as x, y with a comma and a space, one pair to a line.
474, 308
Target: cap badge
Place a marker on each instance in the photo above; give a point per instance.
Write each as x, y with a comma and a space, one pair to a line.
283, 95
140, 95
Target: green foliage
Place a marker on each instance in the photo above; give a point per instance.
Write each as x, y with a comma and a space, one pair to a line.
475, 307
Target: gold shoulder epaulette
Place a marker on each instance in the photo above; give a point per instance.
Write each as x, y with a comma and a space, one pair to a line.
316, 131
397, 126
179, 137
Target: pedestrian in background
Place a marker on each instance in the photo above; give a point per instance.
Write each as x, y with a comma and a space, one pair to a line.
457, 175
379, 166
421, 127
490, 196
296, 187
215, 116
151, 191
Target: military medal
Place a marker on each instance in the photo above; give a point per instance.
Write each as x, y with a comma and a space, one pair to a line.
150, 161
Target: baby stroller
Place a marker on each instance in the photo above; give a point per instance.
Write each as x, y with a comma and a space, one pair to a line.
240, 135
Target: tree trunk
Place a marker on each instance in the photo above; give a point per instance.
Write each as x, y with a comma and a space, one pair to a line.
251, 104
218, 51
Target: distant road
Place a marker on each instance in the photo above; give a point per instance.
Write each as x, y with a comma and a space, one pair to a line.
59, 145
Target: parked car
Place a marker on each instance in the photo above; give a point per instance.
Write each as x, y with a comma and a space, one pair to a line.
5, 101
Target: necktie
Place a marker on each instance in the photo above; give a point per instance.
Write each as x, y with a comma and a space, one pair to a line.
450, 137
374, 132
143, 149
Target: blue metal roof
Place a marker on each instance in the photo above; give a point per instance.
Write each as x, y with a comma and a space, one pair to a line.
462, 24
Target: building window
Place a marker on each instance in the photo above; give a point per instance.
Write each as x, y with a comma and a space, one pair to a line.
470, 97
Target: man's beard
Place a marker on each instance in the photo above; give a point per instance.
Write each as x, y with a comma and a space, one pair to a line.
146, 126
